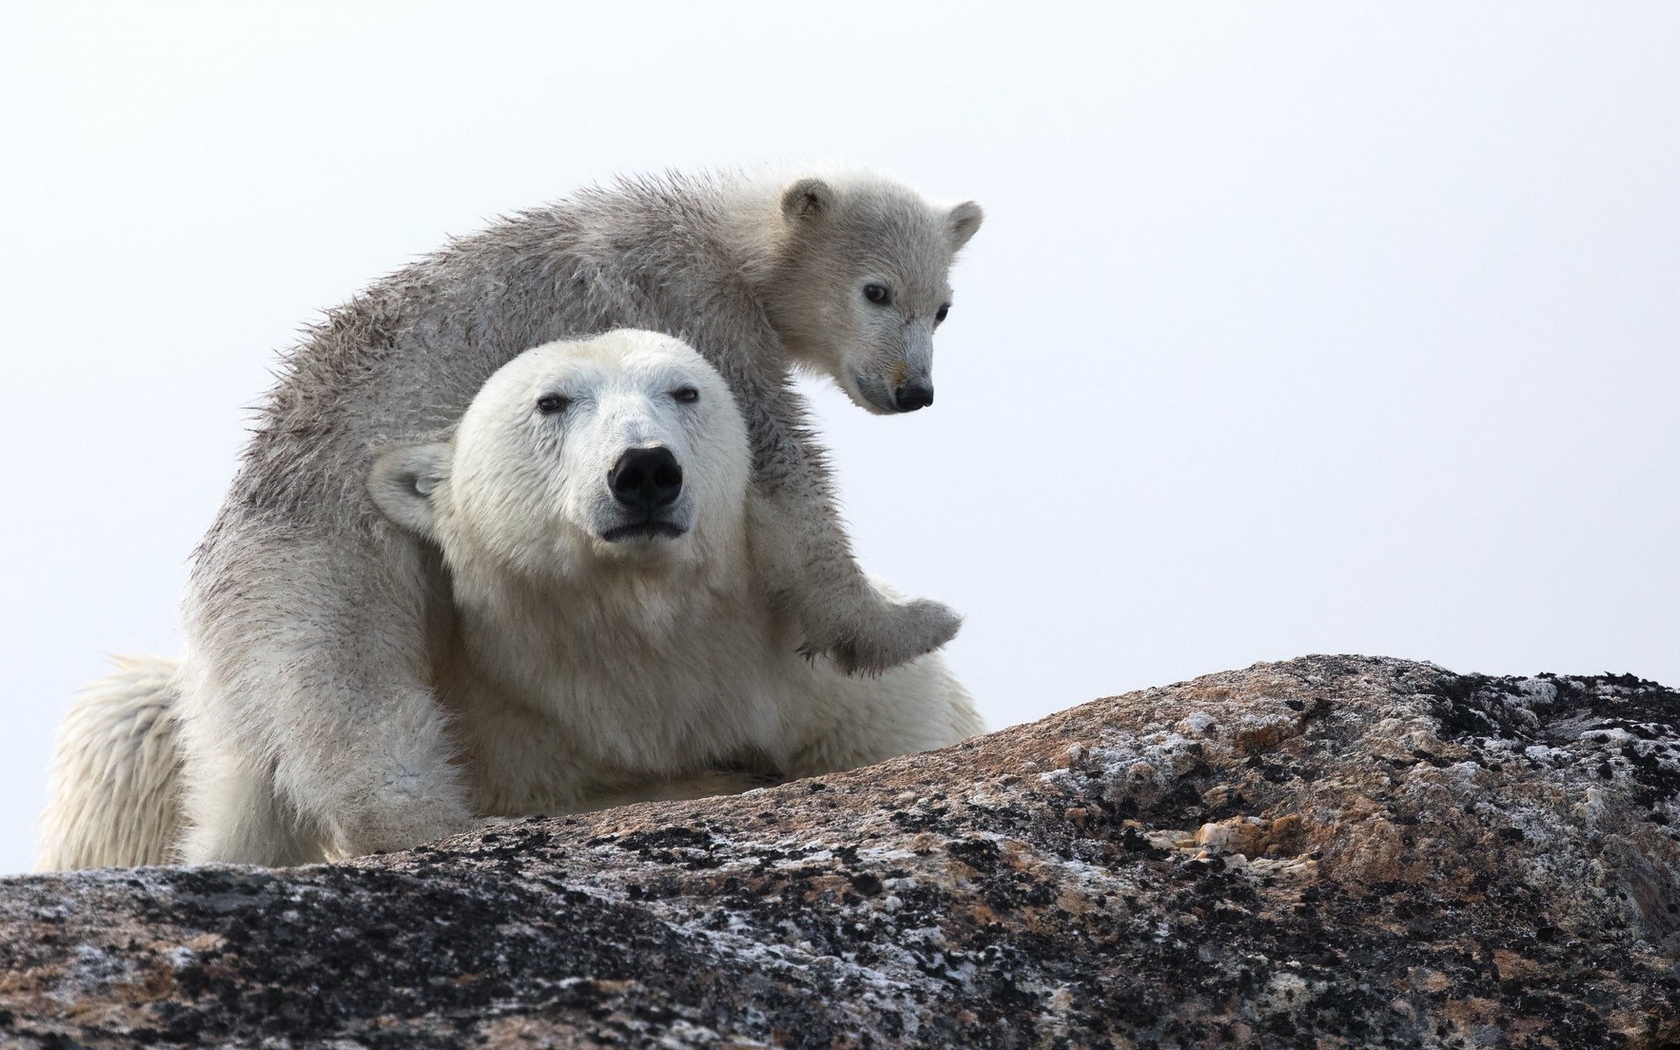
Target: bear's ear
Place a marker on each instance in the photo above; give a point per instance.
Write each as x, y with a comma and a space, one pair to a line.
806, 199
963, 220
403, 482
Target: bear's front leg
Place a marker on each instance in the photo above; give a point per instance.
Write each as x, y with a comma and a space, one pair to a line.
805, 558
309, 725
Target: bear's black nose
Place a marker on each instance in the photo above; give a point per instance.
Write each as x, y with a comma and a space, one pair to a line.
646, 478
913, 395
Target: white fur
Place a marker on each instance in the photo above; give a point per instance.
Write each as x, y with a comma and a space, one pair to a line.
113, 791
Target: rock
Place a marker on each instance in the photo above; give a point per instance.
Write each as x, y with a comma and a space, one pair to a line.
1329, 852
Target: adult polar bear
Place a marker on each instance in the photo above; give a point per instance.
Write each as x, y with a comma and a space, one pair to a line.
614, 639
305, 687
609, 639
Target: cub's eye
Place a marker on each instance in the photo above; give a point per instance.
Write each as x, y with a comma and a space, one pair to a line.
879, 294
685, 395
549, 404
939, 318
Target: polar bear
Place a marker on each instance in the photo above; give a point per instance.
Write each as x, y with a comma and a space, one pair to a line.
307, 613
610, 637
613, 636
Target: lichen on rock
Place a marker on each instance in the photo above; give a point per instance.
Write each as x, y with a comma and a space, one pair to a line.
1332, 851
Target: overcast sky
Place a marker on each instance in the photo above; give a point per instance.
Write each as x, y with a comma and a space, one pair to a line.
1291, 329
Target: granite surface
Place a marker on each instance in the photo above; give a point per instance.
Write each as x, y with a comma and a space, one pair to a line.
1327, 852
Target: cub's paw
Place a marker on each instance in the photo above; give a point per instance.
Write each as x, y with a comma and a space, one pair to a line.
894, 633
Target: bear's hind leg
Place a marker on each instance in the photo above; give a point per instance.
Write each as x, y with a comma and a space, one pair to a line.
113, 796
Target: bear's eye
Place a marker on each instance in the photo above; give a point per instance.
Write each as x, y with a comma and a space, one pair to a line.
685, 395
549, 404
939, 318
879, 294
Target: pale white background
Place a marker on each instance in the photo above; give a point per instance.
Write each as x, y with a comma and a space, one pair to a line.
1291, 329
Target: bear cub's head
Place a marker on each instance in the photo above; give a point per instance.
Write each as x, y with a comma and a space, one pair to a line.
626, 448
858, 282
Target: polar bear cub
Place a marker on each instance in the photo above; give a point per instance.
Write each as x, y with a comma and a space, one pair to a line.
607, 637
612, 639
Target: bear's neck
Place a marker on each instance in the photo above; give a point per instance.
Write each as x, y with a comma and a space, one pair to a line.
529, 638
751, 229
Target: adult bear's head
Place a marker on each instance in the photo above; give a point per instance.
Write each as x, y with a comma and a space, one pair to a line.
858, 280
621, 451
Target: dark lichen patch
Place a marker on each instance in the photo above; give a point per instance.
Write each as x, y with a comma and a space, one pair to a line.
923, 818
674, 837
1472, 708
351, 951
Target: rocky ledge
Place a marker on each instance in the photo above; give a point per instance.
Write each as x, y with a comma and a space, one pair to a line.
1333, 851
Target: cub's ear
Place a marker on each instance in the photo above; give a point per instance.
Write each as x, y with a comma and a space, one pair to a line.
807, 199
963, 219
403, 482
